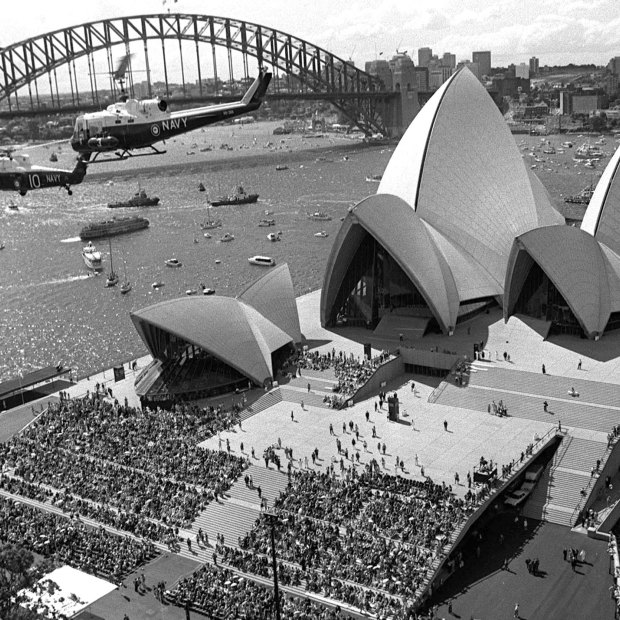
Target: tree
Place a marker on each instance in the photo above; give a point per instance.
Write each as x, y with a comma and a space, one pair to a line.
15, 574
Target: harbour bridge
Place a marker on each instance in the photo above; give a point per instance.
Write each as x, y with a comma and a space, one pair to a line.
176, 52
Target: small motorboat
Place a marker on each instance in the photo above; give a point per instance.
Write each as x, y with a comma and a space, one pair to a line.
157, 285
374, 178
274, 236
13, 206
264, 223
217, 261
191, 291
174, 262
207, 235
207, 291
321, 233
227, 237
281, 167
263, 261
126, 287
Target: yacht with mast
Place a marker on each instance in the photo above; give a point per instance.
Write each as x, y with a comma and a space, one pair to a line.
111, 278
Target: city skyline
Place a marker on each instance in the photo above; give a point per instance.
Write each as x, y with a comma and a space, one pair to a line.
574, 31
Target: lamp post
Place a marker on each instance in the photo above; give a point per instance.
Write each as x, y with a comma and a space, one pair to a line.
272, 516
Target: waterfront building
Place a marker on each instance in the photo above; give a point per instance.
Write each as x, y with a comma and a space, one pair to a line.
204, 346
483, 59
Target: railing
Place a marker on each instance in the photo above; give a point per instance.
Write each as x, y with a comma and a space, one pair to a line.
459, 533
585, 493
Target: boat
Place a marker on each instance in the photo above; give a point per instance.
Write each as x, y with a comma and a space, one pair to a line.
125, 284
2, 245
319, 215
567, 144
207, 291
549, 150
13, 206
227, 237
281, 167
111, 278
274, 236
174, 262
239, 197
374, 178
207, 235
114, 226
210, 224
92, 257
201, 187
321, 233
588, 151
139, 199
191, 291
217, 261
583, 197
263, 261
157, 285
265, 223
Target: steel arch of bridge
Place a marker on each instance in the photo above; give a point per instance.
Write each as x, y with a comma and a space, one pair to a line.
350, 89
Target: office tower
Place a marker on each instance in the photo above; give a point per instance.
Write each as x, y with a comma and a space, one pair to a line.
484, 62
424, 56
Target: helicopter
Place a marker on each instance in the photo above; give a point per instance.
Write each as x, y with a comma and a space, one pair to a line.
19, 175
131, 124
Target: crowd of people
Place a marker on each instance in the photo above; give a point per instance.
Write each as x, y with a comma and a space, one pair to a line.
138, 470
69, 541
352, 372
382, 533
221, 593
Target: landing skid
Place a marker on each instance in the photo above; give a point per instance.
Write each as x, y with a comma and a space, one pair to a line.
121, 156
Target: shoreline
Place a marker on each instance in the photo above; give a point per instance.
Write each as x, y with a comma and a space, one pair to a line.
252, 160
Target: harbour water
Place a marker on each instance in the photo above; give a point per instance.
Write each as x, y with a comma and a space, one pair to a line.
53, 311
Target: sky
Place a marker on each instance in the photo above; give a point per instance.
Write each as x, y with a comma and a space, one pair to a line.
556, 31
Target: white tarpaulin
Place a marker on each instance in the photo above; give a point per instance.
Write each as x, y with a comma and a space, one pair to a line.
65, 591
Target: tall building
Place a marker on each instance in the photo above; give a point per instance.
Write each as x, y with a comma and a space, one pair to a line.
424, 56
380, 69
449, 60
614, 65
474, 67
534, 65
522, 71
484, 62
421, 79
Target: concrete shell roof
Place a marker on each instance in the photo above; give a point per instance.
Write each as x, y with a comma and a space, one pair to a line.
227, 328
602, 217
273, 296
459, 169
577, 266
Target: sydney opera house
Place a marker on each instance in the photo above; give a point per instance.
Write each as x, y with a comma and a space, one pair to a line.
205, 346
460, 223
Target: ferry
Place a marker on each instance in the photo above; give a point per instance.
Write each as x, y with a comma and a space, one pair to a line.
319, 216
263, 261
139, 199
115, 226
239, 197
92, 257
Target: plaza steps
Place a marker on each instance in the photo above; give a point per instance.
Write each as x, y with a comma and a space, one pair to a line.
297, 395
393, 326
558, 492
235, 515
318, 384
271, 398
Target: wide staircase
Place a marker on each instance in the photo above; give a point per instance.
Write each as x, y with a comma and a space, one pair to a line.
233, 516
559, 490
321, 383
271, 398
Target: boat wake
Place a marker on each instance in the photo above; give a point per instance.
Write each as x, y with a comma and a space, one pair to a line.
83, 276
70, 240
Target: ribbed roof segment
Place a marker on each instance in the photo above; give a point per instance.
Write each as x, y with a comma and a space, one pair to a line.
273, 296
602, 217
459, 168
574, 261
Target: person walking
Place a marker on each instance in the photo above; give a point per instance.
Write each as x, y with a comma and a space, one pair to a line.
445, 425
579, 365
545, 406
544, 370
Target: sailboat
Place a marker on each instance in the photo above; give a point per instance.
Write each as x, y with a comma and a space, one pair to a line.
210, 223
125, 284
112, 278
